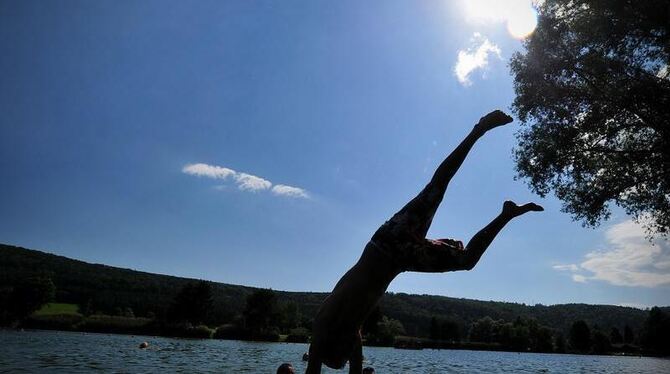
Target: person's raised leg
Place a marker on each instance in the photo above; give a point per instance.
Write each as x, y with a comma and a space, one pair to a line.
437, 256
418, 214
482, 239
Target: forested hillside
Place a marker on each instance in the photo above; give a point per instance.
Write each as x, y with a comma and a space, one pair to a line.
106, 289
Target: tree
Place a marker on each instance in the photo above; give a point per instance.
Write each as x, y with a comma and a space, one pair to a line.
615, 336
580, 336
593, 93
482, 330
193, 303
370, 324
600, 342
559, 343
290, 315
261, 312
387, 330
628, 335
450, 330
30, 295
435, 332
542, 340
656, 334
520, 338
444, 329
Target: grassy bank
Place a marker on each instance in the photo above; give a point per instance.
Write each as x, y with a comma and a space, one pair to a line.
61, 316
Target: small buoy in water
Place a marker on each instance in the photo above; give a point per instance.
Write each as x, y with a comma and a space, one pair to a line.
305, 356
144, 345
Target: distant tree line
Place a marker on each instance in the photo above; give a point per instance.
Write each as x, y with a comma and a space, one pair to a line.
124, 301
265, 317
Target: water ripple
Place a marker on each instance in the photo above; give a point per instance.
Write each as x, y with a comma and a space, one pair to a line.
53, 351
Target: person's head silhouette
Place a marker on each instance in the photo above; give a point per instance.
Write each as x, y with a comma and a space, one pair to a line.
285, 368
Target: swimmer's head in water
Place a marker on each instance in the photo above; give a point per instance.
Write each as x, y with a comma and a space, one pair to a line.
285, 368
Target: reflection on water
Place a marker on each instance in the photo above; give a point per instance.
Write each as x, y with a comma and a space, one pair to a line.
52, 351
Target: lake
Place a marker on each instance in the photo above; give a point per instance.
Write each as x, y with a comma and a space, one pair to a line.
55, 351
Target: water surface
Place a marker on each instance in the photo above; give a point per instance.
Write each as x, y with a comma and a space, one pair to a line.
55, 351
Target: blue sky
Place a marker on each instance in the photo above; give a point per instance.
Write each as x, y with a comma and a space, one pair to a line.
154, 135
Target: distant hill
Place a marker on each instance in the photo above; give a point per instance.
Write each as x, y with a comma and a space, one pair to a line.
106, 288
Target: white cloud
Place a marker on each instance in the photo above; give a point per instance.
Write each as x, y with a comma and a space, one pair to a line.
284, 190
248, 182
210, 171
569, 267
475, 57
629, 260
578, 278
520, 16
244, 181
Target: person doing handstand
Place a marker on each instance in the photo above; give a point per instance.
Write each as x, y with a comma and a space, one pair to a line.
400, 245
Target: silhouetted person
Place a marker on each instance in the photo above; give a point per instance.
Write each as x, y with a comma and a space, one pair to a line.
400, 245
285, 368
368, 370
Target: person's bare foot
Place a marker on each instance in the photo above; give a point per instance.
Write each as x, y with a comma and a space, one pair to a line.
510, 208
492, 120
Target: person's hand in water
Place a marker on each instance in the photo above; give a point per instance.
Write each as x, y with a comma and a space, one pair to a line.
492, 120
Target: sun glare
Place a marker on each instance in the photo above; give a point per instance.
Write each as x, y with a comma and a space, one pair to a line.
523, 23
519, 15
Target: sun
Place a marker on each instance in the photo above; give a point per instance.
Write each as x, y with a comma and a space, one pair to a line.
519, 15
521, 24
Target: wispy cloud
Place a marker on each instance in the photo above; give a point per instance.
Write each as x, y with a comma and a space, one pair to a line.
629, 260
244, 181
284, 190
475, 57
578, 278
571, 267
248, 182
210, 171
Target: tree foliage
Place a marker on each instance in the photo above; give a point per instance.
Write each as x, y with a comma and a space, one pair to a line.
600, 342
615, 336
593, 93
656, 333
262, 311
444, 329
521, 335
387, 330
29, 295
193, 303
628, 335
580, 336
